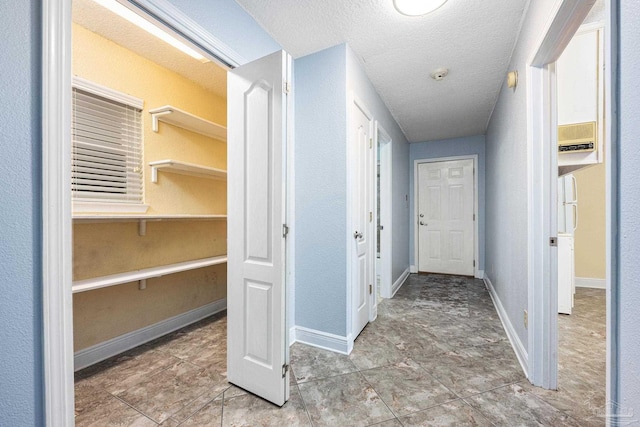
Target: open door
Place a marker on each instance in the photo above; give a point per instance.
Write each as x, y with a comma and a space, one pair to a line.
257, 351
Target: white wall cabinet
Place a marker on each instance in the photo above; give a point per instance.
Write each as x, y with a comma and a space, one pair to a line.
580, 93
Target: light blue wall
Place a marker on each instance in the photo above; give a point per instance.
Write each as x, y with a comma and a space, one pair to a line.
628, 268
321, 182
359, 83
323, 82
506, 222
20, 262
449, 148
231, 24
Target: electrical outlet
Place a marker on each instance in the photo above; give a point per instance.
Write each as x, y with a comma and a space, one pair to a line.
526, 319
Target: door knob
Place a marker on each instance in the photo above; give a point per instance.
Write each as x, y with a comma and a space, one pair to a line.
421, 215
357, 235
422, 223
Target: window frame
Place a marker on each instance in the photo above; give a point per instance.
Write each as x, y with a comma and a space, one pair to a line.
80, 206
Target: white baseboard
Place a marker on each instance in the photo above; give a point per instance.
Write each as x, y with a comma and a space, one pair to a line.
587, 282
104, 350
480, 274
323, 340
413, 269
292, 335
398, 283
514, 339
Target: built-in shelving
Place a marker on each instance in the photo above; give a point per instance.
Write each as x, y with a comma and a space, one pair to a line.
183, 168
90, 218
175, 116
142, 219
144, 274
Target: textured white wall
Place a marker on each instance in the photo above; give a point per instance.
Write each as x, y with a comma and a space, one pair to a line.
628, 283
506, 177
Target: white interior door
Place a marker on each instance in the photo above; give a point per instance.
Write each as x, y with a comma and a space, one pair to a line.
362, 163
257, 351
446, 217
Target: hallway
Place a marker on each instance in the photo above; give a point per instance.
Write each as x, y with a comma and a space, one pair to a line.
436, 356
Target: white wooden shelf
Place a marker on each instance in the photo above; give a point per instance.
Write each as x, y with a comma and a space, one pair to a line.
175, 116
144, 274
142, 219
91, 218
182, 168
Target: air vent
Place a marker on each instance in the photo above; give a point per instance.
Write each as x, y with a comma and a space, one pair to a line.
577, 138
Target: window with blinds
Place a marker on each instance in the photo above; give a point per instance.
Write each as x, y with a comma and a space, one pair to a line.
107, 149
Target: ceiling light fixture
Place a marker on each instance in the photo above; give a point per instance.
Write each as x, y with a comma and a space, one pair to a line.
139, 21
417, 7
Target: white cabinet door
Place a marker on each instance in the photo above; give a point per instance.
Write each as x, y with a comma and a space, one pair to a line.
362, 168
446, 241
257, 114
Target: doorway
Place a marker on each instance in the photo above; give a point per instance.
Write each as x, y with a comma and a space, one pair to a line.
57, 278
543, 198
446, 206
384, 222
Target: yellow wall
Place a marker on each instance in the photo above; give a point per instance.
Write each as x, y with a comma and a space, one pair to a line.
102, 61
590, 249
108, 248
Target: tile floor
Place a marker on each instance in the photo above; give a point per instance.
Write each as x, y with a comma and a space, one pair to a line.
436, 356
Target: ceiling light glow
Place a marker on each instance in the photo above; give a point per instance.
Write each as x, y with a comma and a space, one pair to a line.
417, 7
139, 21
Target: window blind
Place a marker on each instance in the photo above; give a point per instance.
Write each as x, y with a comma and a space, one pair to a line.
107, 149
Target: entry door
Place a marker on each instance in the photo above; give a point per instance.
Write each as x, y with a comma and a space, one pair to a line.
446, 217
362, 264
256, 147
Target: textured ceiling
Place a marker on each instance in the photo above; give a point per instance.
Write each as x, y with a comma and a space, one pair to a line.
101, 21
472, 38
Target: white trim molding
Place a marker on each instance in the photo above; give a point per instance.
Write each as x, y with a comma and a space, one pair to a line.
566, 18
413, 269
514, 339
588, 282
323, 340
398, 283
104, 350
57, 306
173, 20
479, 274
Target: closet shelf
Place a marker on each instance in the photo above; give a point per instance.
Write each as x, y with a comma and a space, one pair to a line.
144, 274
182, 168
175, 116
80, 218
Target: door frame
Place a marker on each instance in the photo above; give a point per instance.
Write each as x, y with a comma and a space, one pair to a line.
477, 273
354, 100
382, 139
567, 17
57, 299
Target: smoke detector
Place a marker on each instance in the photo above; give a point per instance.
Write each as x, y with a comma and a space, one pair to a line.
439, 74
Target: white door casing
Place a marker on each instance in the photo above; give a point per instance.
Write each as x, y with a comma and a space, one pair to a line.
445, 219
257, 350
362, 225
383, 140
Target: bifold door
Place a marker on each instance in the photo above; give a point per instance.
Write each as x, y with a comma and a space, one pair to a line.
256, 157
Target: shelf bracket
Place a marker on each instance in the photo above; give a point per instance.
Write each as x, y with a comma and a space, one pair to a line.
154, 120
142, 227
154, 174
142, 284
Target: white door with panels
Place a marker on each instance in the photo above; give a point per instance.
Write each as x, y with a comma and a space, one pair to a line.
257, 348
446, 241
362, 186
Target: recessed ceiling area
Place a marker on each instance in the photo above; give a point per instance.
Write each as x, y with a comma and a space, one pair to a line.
111, 26
473, 39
